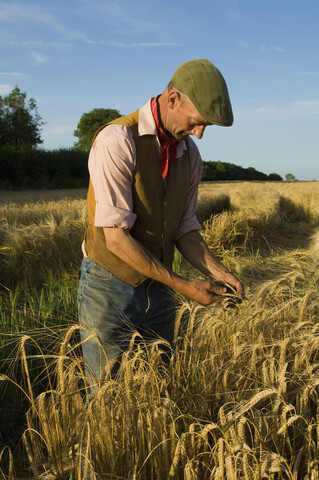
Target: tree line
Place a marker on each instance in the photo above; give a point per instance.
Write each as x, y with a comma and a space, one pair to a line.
24, 165
214, 171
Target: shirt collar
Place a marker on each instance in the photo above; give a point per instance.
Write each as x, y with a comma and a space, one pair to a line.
146, 126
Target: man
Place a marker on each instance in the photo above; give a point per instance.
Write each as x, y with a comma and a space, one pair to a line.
144, 177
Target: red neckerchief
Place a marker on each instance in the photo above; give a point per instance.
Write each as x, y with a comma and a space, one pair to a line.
167, 141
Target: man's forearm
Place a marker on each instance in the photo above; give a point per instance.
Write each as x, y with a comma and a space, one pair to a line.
193, 247
121, 244
130, 251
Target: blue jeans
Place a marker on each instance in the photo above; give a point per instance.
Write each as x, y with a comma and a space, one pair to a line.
113, 311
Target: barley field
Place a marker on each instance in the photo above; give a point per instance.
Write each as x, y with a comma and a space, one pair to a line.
239, 398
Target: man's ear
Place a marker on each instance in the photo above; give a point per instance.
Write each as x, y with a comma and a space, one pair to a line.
174, 99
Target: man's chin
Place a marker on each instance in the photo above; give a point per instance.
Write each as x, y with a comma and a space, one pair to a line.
181, 136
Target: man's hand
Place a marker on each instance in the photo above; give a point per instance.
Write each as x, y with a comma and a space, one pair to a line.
235, 292
193, 247
204, 292
134, 254
234, 283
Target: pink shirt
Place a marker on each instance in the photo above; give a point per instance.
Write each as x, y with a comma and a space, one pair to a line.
111, 165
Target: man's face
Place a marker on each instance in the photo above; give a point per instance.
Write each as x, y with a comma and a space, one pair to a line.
185, 120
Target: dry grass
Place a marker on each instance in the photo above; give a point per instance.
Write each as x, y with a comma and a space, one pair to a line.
239, 399
41, 236
25, 197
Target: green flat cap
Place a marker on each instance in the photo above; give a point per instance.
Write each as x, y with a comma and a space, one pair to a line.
205, 86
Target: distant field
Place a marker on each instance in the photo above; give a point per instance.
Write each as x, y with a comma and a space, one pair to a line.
240, 397
32, 196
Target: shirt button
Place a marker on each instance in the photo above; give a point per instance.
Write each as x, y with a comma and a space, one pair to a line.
165, 203
165, 223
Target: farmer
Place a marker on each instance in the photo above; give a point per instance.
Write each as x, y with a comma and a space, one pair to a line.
144, 176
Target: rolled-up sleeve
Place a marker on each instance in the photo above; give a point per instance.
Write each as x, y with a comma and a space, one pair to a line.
111, 165
189, 220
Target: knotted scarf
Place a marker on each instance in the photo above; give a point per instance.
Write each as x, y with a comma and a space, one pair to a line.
167, 141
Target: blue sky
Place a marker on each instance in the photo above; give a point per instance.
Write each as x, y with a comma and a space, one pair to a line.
76, 55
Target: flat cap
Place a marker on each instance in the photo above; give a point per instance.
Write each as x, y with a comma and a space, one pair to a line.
205, 86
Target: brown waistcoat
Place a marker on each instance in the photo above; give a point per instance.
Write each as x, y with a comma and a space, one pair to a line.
158, 210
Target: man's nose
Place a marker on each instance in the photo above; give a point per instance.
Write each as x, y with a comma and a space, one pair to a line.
198, 131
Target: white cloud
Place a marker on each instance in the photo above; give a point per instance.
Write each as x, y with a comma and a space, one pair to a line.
130, 18
56, 130
39, 57
30, 14
269, 48
117, 16
114, 12
42, 101
5, 88
15, 12
61, 126
59, 132
296, 110
12, 74
272, 48
40, 44
243, 44
145, 44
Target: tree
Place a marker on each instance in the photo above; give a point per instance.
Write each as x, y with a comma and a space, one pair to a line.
20, 122
274, 177
213, 171
89, 123
290, 177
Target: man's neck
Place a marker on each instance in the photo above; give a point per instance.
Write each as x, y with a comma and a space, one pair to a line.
162, 103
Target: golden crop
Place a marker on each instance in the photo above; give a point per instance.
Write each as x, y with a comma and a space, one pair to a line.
239, 399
